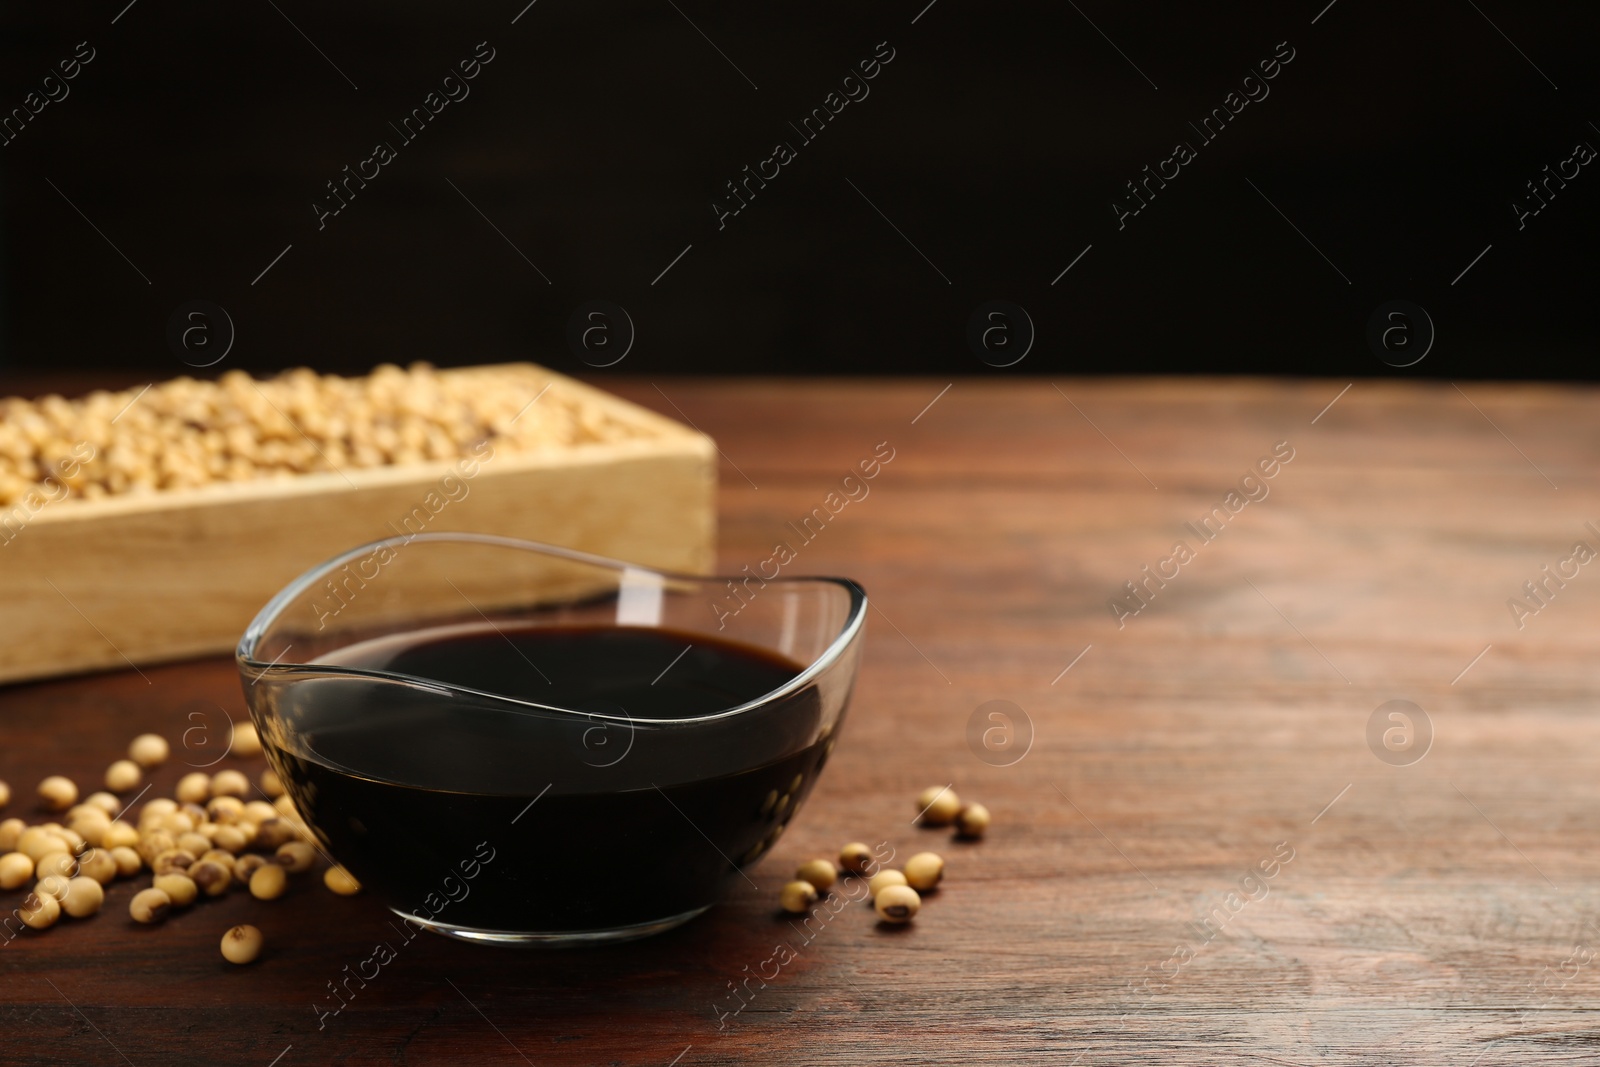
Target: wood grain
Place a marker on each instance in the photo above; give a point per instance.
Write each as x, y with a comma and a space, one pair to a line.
1439, 913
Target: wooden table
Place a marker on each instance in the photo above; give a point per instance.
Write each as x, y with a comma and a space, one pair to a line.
1432, 911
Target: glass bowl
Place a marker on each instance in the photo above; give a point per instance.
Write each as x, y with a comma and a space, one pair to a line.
477, 807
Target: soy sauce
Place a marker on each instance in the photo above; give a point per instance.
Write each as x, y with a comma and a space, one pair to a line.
619, 793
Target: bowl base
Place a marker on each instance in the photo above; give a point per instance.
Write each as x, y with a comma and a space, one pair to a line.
554, 938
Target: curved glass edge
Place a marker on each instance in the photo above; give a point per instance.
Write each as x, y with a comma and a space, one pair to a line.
244, 652
556, 938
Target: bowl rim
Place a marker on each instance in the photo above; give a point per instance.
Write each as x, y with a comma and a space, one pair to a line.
245, 658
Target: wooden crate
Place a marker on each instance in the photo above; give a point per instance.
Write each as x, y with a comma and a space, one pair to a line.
92, 584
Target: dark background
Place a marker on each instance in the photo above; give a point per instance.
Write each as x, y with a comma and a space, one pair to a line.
199, 136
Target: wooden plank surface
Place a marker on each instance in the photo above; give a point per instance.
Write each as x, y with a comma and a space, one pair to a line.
1442, 912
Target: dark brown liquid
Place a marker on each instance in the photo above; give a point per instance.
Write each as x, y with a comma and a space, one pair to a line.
564, 821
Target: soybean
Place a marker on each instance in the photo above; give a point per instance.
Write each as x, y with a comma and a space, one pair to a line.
856, 858
53, 886
83, 898
225, 810
148, 750
195, 843
797, 897
268, 882
297, 856
230, 839
105, 802
897, 904
219, 857
179, 888
92, 829
972, 821
924, 870
123, 775
259, 811
160, 806
341, 881
129, 862
99, 864
172, 860
246, 742
937, 805
156, 843
274, 833
212, 877
193, 787
820, 873
39, 911
36, 841
15, 870
178, 823
58, 793
149, 906
241, 944
58, 863
884, 879
229, 784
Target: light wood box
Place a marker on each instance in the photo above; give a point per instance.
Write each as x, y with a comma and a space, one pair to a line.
93, 584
